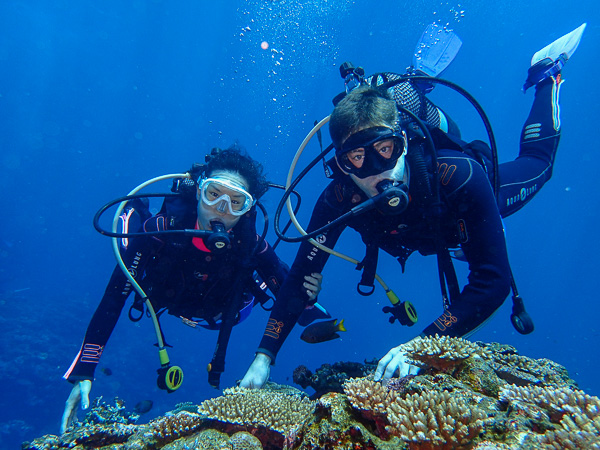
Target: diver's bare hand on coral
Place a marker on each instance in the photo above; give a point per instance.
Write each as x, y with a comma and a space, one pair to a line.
79, 394
394, 360
258, 373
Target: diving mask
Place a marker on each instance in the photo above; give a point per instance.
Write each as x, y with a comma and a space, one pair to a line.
225, 195
371, 151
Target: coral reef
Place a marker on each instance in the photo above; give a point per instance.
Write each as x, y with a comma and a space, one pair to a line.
101, 412
466, 396
524, 371
185, 406
443, 353
155, 434
576, 413
270, 409
432, 419
331, 377
243, 440
213, 439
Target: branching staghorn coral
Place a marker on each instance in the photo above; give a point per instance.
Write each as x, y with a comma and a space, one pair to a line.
578, 414
368, 395
274, 410
430, 419
436, 417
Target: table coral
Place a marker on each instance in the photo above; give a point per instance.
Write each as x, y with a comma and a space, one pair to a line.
523, 371
443, 353
273, 410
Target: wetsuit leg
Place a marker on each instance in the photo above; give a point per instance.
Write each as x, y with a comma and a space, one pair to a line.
522, 178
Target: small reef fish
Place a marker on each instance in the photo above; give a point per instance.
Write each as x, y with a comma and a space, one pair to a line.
322, 331
143, 407
106, 371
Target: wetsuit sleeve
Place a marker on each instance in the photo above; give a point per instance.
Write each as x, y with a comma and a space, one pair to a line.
107, 314
271, 269
292, 298
470, 196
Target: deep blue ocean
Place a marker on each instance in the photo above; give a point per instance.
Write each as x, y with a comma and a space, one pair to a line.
98, 96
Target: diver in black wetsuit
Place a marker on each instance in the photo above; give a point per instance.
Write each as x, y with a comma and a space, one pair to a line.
370, 155
180, 274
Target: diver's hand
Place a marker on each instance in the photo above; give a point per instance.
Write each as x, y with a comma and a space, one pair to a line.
394, 360
258, 373
79, 393
313, 285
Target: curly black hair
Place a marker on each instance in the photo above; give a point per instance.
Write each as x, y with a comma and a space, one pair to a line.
235, 158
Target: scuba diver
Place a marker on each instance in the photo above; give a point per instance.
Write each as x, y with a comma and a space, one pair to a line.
204, 284
383, 182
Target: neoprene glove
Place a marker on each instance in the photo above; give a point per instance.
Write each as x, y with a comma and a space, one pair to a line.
79, 394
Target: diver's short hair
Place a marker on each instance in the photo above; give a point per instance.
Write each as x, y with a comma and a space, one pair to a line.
362, 108
236, 159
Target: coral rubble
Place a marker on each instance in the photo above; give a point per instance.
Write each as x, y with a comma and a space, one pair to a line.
466, 396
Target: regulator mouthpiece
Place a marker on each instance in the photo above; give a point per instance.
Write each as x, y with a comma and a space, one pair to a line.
219, 239
392, 199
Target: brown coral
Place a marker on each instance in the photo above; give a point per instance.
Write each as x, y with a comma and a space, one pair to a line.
523, 371
430, 419
442, 352
157, 433
578, 414
437, 419
243, 440
368, 395
557, 401
273, 410
167, 428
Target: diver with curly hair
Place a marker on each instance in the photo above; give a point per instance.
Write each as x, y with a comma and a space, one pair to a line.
181, 275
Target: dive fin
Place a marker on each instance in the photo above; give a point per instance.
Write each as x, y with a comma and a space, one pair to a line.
312, 313
564, 45
549, 61
435, 50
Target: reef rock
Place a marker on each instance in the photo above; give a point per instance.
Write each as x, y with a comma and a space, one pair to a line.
466, 396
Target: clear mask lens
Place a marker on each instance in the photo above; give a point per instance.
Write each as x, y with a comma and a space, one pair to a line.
225, 196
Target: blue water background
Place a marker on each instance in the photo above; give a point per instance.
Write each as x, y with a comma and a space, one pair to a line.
96, 97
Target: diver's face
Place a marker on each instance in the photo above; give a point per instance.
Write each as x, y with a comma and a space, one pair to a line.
385, 149
217, 212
